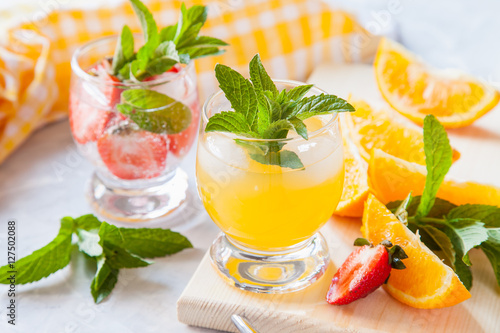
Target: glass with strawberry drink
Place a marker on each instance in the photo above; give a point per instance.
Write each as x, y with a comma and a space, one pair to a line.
134, 113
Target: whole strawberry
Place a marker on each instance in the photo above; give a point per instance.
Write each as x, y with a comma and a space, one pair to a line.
366, 269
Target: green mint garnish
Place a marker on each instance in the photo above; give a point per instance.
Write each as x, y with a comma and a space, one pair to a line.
161, 51
155, 112
110, 247
438, 160
449, 230
174, 44
263, 112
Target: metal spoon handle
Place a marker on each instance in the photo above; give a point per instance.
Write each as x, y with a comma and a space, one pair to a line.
242, 324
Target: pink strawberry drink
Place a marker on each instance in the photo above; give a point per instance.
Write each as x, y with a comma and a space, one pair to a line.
117, 147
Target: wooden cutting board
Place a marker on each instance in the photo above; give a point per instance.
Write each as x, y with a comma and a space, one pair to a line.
209, 302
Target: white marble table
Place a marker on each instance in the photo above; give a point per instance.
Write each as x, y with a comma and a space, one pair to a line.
44, 181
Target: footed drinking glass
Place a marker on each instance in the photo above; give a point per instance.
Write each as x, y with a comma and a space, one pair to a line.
269, 212
137, 175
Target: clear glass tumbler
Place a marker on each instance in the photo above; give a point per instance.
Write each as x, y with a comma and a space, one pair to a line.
270, 214
136, 174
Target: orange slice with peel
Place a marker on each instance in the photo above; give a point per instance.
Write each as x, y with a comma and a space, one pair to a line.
426, 282
415, 90
380, 129
392, 178
355, 182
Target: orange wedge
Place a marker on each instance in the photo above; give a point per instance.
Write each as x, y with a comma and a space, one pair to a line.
355, 181
414, 89
392, 178
426, 283
380, 129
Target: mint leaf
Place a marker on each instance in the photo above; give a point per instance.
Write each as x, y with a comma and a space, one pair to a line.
86, 222
319, 105
195, 52
124, 51
111, 247
167, 49
262, 82
463, 271
239, 91
148, 23
489, 215
190, 22
299, 127
470, 233
200, 42
166, 56
284, 158
227, 121
154, 111
447, 252
438, 159
297, 93
45, 261
278, 129
260, 79
110, 233
491, 247
151, 37
118, 257
440, 209
143, 242
104, 281
461, 268
153, 242
168, 33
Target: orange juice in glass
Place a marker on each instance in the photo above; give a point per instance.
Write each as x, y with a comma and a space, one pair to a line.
270, 197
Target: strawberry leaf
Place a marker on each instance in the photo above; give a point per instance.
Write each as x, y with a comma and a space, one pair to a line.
361, 242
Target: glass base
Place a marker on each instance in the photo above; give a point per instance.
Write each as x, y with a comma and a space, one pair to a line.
122, 204
270, 272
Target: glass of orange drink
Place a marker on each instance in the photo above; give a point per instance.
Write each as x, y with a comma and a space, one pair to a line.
270, 206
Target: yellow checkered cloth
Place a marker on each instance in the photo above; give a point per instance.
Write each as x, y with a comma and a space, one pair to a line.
292, 36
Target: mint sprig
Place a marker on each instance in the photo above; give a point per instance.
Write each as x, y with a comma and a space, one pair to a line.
449, 230
260, 111
110, 247
179, 43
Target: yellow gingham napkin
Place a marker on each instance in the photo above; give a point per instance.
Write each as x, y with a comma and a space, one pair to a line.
292, 36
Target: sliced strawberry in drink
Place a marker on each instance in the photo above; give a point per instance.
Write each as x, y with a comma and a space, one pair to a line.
129, 153
90, 111
87, 122
180, 143
364, 270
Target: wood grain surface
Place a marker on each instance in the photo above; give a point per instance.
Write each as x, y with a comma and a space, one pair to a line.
208, 301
